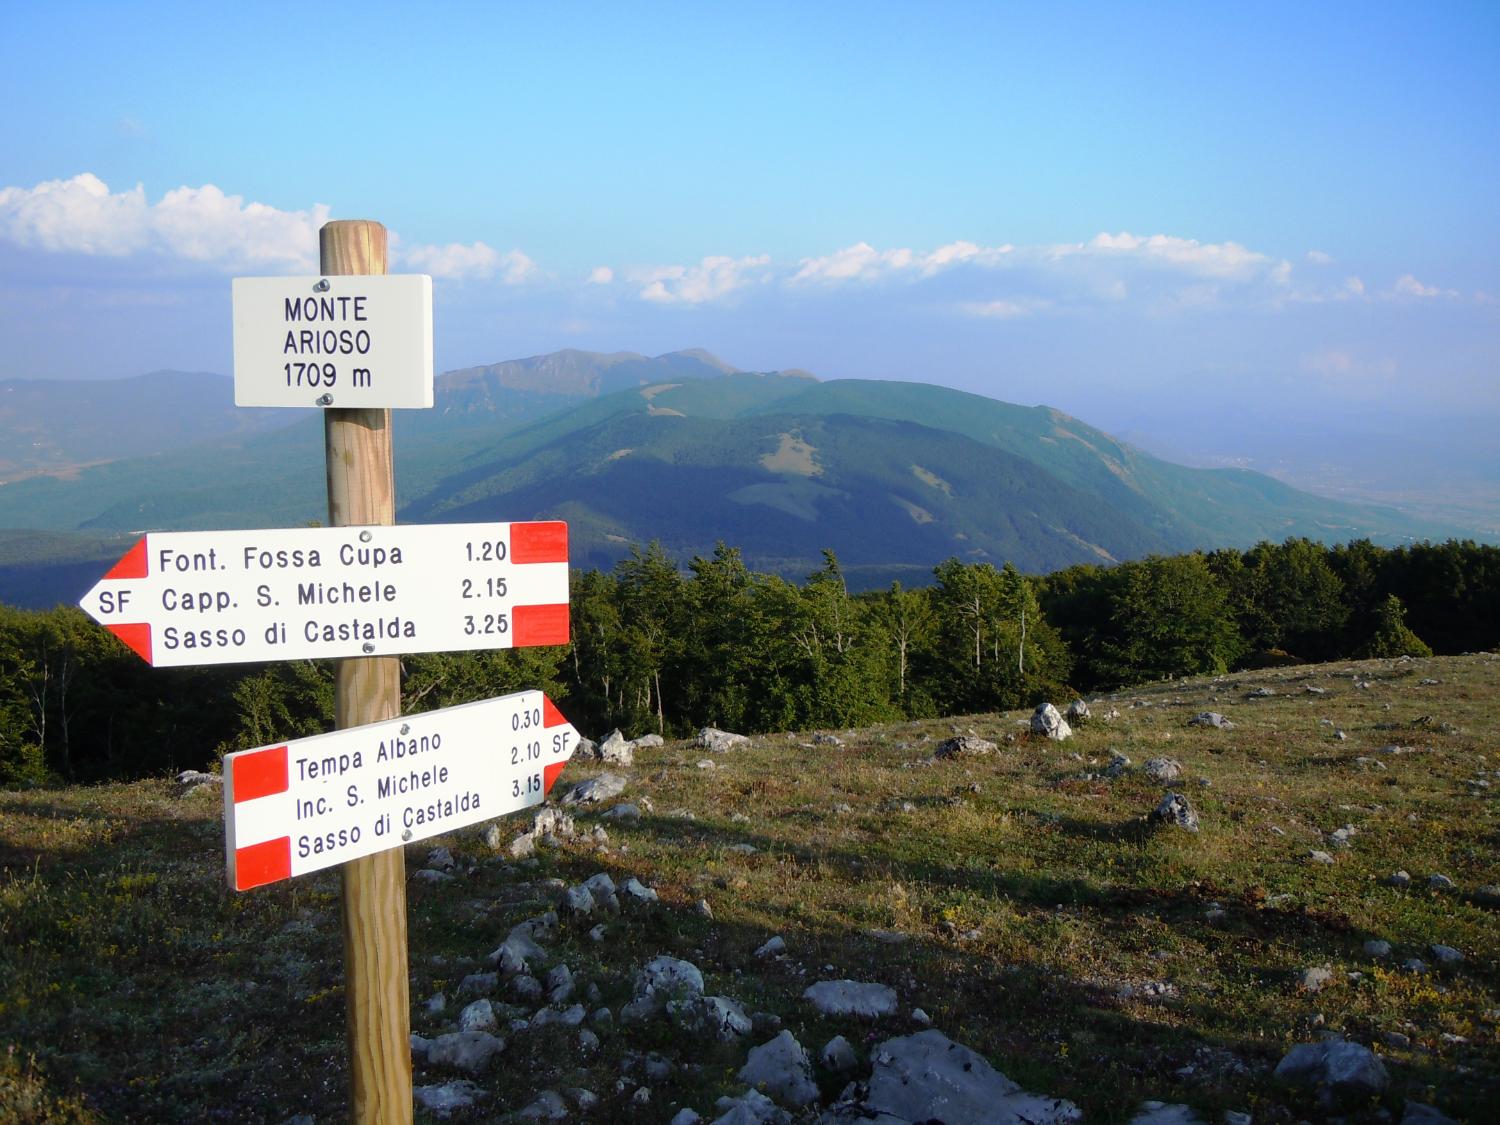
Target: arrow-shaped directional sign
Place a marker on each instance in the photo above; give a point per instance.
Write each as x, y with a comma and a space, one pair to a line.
225, 597
311, 803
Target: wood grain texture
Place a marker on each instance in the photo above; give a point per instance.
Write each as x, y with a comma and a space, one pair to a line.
361, 491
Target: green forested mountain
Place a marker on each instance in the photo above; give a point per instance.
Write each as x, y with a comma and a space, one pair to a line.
683, 449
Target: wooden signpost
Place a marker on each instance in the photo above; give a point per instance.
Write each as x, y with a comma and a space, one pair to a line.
357, 343
367, 689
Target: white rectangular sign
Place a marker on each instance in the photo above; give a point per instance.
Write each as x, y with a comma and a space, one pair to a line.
227, 597
310, 803
341, 341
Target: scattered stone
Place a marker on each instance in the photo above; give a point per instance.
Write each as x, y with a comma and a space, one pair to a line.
926, 1077
707, 764
522, 847
429, 875
195, 781
649, 741
685, 1116
568, 1017
838, 1055
1339, 735
964, 746
1445, 955
1398, 879
1210, 719
1395, 1039
462, 1050
560, 985
1314, 979
1488, 895
636, 891
546, 1106
718, 741
1417, 1113
603, 788
623, 812
1341, 1072
436, 1004
919, 1015
1342, 837
1161, 1113
1414, 965
715, 1016
1439, 883
703, 910
667, 978
772, 948
615, 750
518, 953
479, 983
1162, 769
602, 888
1046, 721
1378, 949
1118, 764
1260, 693
526, 987
448, 1097
821, 739
750, 1108
578, 901
1174, 811
782, 1070
478, 1016
1078, 712
1317, 856
441, 859
851, 998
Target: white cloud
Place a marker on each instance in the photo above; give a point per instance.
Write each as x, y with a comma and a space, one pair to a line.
203, 224
713, 277
862, 262
1223, 259
1408, 286
1318, 258
601, 275
1001, 310
456, 261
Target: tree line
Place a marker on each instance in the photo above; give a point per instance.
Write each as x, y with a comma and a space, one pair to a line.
658, 648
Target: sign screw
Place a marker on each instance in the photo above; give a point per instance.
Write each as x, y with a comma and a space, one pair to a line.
405, 836
366, 535
324, 400
369, 647
321, 286
405, 728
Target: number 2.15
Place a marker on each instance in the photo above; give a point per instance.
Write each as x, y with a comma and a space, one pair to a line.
484, 588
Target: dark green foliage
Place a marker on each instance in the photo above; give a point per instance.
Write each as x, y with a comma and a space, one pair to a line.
1391, 637
655, 648
1169, 617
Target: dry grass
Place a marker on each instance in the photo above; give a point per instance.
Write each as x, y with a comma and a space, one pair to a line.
1020, 899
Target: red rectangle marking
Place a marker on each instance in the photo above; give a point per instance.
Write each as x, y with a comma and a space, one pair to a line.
259, 774
259, 864
551, 716
542, 542
539, 625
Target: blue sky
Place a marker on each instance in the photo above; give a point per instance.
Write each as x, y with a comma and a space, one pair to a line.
1134, 212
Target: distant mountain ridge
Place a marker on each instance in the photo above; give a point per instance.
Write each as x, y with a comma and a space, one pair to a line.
59, 425
689, 450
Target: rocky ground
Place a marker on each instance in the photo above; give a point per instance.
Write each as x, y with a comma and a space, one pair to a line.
1270, 896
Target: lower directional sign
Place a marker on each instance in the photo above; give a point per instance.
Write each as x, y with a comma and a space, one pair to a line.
311, 803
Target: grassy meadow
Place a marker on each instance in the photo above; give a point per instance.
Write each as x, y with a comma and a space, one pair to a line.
1021, 899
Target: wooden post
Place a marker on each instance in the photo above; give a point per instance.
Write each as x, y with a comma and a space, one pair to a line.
361, 490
